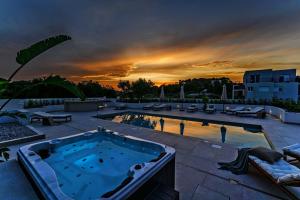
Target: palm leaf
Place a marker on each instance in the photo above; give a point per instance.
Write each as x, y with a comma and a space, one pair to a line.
25, 55
3, 85
57, 81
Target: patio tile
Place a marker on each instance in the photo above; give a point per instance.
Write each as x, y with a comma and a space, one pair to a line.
223, 187
252, 194
208, 194
187, 179
14, 184
197, 173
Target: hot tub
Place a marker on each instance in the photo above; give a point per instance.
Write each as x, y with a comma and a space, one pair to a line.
98, 164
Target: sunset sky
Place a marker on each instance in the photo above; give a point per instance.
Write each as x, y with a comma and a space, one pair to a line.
164, 41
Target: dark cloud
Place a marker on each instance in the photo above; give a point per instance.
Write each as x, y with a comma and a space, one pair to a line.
112, 38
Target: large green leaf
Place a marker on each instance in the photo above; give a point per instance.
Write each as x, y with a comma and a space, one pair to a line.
3, 85
25, 55
57, 81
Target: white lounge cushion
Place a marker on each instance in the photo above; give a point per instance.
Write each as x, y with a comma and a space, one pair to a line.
239, 108
44, 114
294, 149
281, 171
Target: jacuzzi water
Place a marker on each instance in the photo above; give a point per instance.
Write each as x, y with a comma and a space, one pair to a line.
93, 165
77, 164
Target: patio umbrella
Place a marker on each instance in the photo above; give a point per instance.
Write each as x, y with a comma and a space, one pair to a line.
224, 95
182, 96
162, 93
182, 92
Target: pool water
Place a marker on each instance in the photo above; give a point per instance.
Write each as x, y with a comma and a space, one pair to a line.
236, 135
87, 169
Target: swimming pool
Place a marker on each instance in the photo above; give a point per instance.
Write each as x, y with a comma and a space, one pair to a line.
239, 135
95, 165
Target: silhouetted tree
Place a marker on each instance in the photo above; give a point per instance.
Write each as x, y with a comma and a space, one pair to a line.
142, 87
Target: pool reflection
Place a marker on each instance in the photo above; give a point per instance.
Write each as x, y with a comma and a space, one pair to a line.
236, 135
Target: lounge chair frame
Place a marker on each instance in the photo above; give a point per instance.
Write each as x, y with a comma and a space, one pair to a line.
162, 107
282, 186
290, 153
40, 117
210, 110
120, 106
234, 110
148, 106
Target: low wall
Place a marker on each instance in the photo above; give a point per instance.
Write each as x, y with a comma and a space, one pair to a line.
284, 116
81, 106
291, 117
276, 112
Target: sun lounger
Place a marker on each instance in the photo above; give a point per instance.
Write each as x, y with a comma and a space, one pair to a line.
162, 107
192, 108
282, 173
121, 106
251, 111
210, 108
234, 110
38, 116
101, 107
149, 106
292, 151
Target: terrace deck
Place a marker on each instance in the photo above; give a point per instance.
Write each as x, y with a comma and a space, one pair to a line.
196, 160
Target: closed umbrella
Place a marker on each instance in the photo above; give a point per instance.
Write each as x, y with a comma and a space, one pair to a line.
224, 95
182, 92
162, 93
182, 96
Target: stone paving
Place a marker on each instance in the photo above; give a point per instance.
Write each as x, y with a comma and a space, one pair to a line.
197, 176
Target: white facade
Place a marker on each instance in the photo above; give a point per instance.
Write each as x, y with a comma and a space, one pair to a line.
269, 84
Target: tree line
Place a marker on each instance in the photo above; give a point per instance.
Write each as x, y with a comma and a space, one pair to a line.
140, 88
89, 88
197, 87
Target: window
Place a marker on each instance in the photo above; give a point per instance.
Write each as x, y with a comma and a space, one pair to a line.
257, 78
264, 89
280, 78
284, 78
252, 79
250, 89
280, 89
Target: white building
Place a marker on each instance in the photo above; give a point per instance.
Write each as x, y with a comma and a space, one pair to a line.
271, 84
